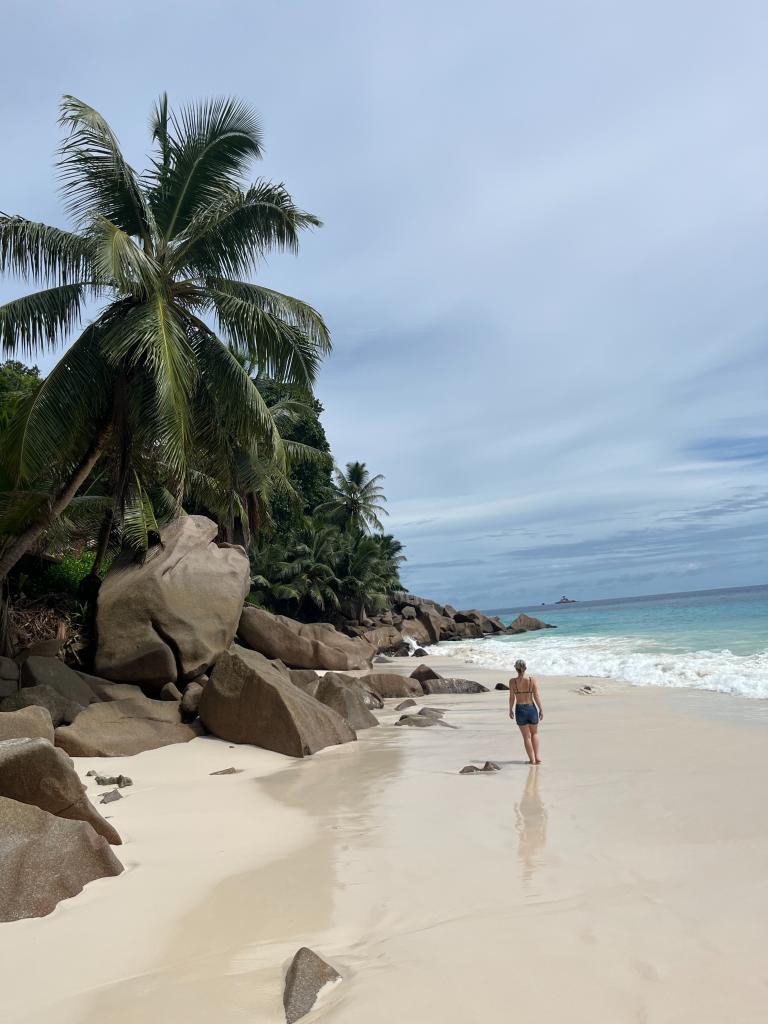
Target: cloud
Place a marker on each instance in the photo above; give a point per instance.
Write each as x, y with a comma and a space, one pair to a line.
542, 260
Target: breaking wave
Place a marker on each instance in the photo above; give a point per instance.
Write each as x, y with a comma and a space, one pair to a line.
643, 663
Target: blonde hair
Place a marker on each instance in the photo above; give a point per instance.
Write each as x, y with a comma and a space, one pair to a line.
520, 665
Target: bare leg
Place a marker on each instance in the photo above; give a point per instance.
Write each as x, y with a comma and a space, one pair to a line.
535, 743
526, 732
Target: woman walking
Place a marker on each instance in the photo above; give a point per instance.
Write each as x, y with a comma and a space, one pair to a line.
525, 708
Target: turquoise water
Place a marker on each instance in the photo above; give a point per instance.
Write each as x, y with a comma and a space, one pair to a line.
715, 639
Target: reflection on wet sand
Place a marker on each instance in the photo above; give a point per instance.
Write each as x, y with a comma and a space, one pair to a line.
531, 824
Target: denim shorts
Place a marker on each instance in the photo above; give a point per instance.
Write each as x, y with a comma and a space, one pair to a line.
526, 714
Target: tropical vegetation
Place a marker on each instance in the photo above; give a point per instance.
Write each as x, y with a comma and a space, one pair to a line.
185, 386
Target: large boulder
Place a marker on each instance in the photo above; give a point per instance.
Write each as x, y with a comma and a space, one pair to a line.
424, 672
523, 623
32, 771
390, 684
168, 618
417, 631
51, 672
453, 686
33, 721
383, 638
62, 710
45, 858
468, 631
121, 728
249, 700
345, 696
480, 619
301, 645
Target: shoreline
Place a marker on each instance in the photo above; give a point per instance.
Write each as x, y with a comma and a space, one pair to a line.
627, 878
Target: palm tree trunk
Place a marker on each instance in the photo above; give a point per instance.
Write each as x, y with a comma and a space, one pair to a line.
103, 542
25, 540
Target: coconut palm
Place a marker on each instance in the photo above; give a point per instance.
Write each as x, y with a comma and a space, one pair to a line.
160, 261
358, 500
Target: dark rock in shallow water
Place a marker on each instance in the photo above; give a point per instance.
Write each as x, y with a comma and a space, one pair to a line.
423, 721
501, 686
419, 653
431, 712
405, 704
525, 623
382, 659
45, 859
306, 976
488, 768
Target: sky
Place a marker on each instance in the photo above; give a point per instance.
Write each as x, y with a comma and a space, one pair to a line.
544, 259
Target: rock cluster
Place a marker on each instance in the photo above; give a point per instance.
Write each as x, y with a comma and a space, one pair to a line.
418, 620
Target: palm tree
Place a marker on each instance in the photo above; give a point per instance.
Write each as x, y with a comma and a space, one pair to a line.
362, 573
155, 374
358, 499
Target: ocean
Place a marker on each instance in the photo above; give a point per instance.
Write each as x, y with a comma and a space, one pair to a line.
710, 640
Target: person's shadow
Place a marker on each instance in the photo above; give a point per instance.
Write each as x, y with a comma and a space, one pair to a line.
531, 824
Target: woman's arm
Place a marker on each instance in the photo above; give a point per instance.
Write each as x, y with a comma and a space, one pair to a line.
512, 697
537, 698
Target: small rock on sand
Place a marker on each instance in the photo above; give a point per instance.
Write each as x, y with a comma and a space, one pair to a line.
227, 771
306, 976
405, 704
111, 796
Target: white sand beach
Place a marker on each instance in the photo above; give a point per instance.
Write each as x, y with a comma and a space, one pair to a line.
623, 880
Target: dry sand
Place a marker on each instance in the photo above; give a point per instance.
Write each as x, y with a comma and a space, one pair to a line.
624, 881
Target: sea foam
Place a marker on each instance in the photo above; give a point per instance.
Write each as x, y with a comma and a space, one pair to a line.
642, 663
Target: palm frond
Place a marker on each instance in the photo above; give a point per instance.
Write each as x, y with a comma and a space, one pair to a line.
231, 234
119, 261
46, 255
282, 338
55, 424
40, 320
95, 177
210, 145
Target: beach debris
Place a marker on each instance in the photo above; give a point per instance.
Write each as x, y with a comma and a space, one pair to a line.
111, 780
501, 686
307, 976
488, 768
227, 771
405, 704
111, 796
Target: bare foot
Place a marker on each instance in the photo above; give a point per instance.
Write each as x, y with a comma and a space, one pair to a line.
537, 762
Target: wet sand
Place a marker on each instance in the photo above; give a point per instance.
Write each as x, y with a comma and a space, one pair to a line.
623, 880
